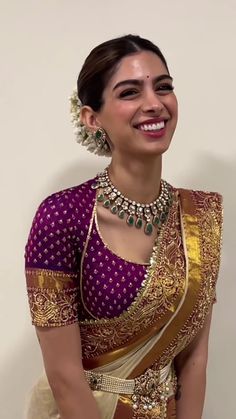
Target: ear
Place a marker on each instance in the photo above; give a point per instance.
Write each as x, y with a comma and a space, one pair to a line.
89, 118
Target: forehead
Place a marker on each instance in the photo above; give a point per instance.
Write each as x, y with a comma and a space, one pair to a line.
144, 64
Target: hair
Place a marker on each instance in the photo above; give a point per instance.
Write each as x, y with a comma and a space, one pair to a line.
102, 62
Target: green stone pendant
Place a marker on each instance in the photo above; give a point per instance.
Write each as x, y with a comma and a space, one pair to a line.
148, 218
100, 197
139, 223
156, 220
107, 203
148, 229
130, 220
121, 214
114, 209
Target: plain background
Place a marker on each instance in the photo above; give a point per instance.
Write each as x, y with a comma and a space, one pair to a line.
43, 45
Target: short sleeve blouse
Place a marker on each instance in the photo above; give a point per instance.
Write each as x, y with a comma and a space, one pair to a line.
52, 256
71, 273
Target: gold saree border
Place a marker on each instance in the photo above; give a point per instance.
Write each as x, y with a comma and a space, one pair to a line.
191, 235
157, 322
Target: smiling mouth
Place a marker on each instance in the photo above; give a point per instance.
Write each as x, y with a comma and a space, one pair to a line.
152, 127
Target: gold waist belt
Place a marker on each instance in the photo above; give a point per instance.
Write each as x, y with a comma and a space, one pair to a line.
150, 390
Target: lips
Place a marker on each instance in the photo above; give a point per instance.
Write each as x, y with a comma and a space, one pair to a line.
152, 125
153, 128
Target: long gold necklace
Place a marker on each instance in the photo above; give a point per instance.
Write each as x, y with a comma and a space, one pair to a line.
137, 214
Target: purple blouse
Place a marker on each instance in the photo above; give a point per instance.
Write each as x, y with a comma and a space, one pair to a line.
64, 238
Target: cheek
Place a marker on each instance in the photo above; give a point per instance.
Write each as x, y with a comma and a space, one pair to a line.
123, 111
172, 105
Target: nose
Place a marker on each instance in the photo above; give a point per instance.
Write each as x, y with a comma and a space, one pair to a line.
152, 103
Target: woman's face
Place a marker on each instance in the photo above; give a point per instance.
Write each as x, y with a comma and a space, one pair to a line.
139, 113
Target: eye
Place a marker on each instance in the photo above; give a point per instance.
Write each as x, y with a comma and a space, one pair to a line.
128, 93
164, 88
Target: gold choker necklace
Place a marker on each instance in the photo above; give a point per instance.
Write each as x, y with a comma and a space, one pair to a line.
138, 215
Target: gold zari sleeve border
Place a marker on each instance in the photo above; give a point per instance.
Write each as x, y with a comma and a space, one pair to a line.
53, 297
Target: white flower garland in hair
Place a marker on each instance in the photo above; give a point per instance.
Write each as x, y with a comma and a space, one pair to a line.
82, 134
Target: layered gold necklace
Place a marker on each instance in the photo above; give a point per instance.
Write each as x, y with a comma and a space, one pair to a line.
146, 216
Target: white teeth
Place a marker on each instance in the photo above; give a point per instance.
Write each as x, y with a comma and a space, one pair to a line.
152, 127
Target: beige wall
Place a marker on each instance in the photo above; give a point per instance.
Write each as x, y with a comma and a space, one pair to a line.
43, 46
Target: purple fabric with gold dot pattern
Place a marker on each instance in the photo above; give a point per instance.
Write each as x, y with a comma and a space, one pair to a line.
56, 242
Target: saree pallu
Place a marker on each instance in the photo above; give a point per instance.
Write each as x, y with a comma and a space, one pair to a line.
175, 301
166, 315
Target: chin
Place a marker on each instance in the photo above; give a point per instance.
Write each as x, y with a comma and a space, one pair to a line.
157, 147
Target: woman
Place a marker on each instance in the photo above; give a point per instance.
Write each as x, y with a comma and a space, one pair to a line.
121, 270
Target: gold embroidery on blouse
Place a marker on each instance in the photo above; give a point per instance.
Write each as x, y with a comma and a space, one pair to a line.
50, 308
53, 297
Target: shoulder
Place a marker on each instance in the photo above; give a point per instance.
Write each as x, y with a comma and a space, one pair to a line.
65, 199
58, 227
208, 206
206, 199
202, 200
64, 211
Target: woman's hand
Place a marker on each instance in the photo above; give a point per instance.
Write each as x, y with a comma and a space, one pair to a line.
191, 366
61, 349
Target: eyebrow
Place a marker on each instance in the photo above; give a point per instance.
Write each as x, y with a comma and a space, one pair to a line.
140, 82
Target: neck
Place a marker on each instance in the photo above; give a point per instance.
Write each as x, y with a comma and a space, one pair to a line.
137, 180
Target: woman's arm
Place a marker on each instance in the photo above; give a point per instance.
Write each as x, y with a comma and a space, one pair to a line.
61, 349
191, 366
